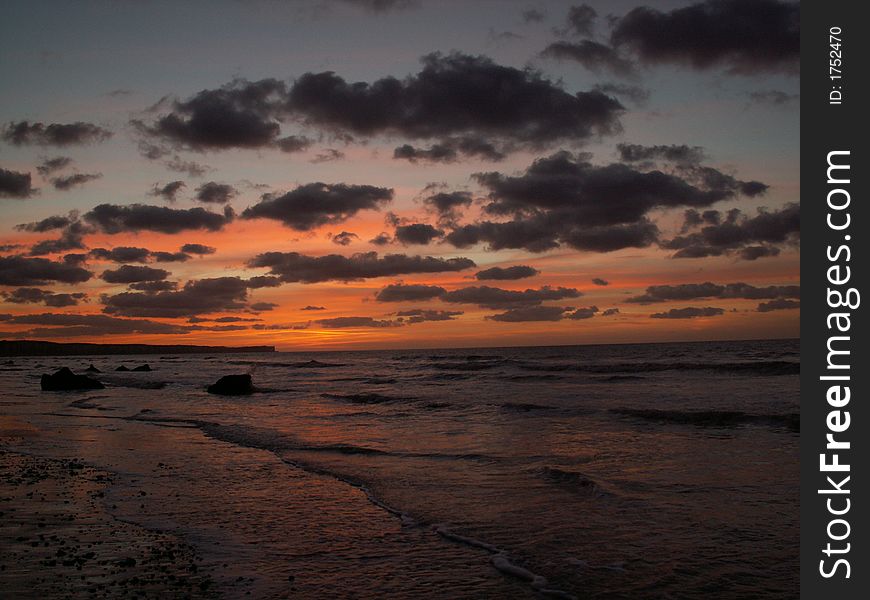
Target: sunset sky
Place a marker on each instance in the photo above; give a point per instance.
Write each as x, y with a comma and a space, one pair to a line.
333, 174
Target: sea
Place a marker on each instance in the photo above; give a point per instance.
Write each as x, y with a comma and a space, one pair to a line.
609, 471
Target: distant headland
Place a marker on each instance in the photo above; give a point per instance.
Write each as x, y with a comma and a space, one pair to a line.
40, 348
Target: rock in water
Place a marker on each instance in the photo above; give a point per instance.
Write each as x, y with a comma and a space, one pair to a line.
67, 380
232, 385
122, 368
93, 369
144, 367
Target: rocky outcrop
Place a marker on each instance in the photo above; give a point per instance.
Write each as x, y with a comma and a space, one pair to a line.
64, 380
233, 385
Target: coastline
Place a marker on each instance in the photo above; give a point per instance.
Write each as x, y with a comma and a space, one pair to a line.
59, 539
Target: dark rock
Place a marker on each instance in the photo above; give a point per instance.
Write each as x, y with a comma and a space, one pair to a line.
144, 367
232, 385
64, 379
122, 368
93, 369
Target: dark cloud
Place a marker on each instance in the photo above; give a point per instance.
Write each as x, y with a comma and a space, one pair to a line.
24, 133
448, 204
382, 239
114, 218
69, 325
594, 56
563, 199
293, 143
262, 306
310, 307
196, 297
20, 270
399, 292
587, 312
774, 98
530, 313
75, 259
241, 114
450, 150
532, 15
71, 238
50, 165
756, 252
609, 312
134, 274
153, 286
635, 94
189, 167
293, 267
490, 297
697, 291
778, 304
168, 192
122, 254
417, 233
455, 95
599, 281
15, 185
742, 36
170, 256
263, 281
681, 154
506, 273
315, 204
347, 322
733, 232
345, 238
49, 223
470, 104
418, 315
328, 155
198, 249
215, 193
67, 182
581, 19
26, 295
689, 313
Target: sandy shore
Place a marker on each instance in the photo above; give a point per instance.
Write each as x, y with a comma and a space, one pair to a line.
58, 539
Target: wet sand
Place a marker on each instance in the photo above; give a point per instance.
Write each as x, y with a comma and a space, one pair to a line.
59, 541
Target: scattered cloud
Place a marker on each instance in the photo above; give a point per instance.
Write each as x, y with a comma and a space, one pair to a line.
292, 267
506, 273
689, 313
742, 36
25, 133
697, 291
25, 271
14, 184
29, 295
315, 204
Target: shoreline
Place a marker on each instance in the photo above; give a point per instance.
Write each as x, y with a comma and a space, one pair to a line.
60, 540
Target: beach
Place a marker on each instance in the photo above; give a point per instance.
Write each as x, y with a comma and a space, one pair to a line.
609, 471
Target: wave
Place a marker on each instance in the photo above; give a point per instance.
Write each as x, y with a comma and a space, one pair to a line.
308, 364
712, 418
369, 398
525, 407
760, 368
572, 479
533, 378
502, 562
464, 366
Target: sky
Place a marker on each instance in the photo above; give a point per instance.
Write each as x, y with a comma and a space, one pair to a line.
353, 174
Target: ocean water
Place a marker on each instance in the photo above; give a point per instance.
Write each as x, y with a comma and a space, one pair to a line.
624, 471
